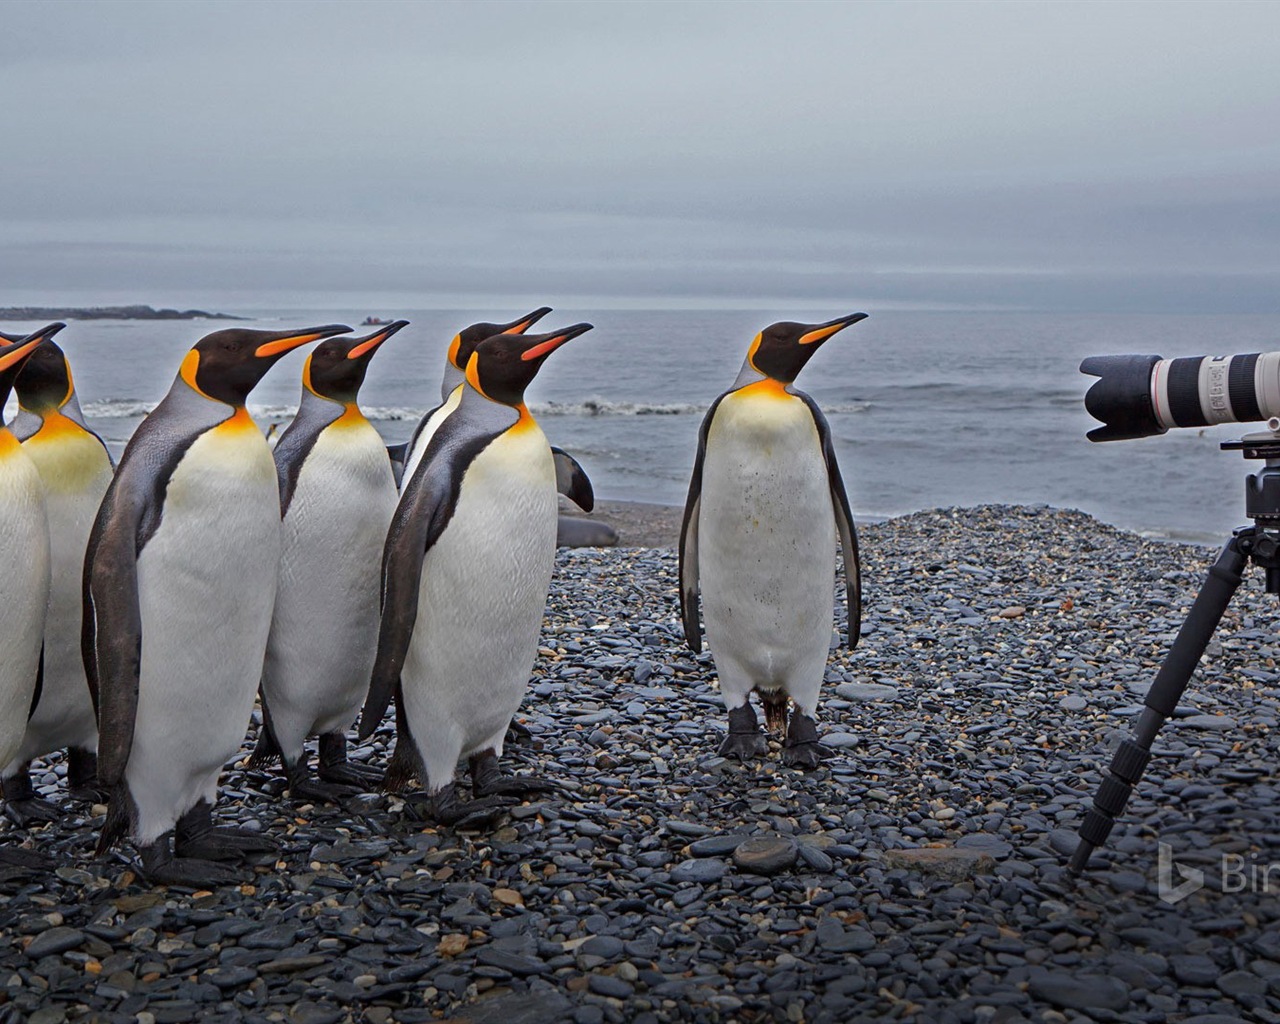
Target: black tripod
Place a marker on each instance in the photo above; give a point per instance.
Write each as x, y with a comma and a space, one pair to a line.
1260, 544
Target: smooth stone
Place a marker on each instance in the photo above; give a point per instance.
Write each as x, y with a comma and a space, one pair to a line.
835, 938
946, 862
839, 740
512, 962
985, 842
1080, 992
1073, 703
866, 691
1208, 723
766, 855
610, 985
715, 846
702, 871
53, 941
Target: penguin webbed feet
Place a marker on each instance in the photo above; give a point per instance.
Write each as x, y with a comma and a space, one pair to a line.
487, 779
802, 749
445, 807
197, 838
335, 768
745, 742
82, 777
160, 867
21, 804
517, 732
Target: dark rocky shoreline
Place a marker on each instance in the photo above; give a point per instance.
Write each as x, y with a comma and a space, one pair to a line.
108, 313
916, 876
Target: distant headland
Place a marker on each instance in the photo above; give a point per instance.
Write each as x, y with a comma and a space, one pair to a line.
108, 313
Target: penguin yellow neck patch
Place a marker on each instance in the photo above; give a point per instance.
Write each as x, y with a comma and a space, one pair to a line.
8, 443
767, 388
238, 420
351, 417
54, 426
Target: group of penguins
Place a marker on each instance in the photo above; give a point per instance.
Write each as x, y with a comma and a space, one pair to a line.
148, 605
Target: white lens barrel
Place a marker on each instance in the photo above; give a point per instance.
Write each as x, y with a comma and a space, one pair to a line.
1198, 391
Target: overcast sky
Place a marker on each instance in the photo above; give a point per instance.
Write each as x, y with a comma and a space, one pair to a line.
1040, 155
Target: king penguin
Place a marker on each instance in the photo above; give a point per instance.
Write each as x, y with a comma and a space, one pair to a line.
180, 579
466, 571
571, 479
75, 469
337, 494
765, 505
24, 563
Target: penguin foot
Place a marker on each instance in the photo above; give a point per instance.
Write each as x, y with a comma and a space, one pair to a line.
21, 804
518, 733
487, 779
32, 811
335, 768
745, 741
801, 748
196, 838
310, 790
82, 776
161, 867
88, 795
445, 808
351, 776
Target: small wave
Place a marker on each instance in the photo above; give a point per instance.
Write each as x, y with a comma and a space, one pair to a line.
602, 407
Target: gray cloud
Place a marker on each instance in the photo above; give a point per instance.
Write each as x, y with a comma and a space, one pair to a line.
1040, 155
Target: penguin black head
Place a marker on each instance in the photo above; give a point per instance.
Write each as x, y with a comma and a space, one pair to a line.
336, 369
227, 365
45, 381
17, 354
504, 365
466, 340
781, 350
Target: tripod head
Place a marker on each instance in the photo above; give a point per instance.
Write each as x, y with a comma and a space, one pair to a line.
1261, 542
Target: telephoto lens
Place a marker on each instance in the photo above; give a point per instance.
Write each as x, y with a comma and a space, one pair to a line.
1138, 396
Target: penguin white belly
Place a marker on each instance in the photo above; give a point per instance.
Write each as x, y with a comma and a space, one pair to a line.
324, 630
481, 601
427, 433
76, 472
767, 548
206, 585
24, 590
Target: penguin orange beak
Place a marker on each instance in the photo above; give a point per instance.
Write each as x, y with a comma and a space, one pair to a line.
522, 325
374, 340
286, 341
823, 331
546, 347
18, 349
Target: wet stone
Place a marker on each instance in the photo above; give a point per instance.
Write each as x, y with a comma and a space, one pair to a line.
766, 855
53, 941
1080, 992
866, 691
702, 871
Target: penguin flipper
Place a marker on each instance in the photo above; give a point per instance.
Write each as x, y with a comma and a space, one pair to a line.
844, 524
111, 630
426, 505
689, 539
572, 480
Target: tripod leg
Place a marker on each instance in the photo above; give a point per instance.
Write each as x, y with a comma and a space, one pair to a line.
1171, 681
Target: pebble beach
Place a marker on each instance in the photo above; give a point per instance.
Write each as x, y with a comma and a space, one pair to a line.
917, 875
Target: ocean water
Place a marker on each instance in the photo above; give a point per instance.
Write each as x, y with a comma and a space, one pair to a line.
928, 409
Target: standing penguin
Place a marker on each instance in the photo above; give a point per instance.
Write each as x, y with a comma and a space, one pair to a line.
24, 564
337, 494
466, 572
765, 504
180, 579
75, 470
